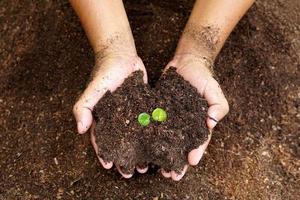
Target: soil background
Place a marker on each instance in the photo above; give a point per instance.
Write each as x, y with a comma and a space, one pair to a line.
45, 61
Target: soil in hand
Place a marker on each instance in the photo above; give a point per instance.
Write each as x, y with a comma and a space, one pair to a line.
124, 141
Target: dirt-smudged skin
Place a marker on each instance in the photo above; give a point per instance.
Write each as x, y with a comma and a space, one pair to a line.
124, 141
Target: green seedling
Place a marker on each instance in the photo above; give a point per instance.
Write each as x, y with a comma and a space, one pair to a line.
159, 115
144, 119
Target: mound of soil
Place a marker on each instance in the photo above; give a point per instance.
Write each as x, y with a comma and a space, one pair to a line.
124, 141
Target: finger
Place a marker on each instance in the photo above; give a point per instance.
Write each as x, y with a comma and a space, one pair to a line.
218, 105
196, 154
138, 65
142, 168
215, 113
93, 138
123, 174
165, 173
106, 165
176, 177
167, 68
145, 76
83, 116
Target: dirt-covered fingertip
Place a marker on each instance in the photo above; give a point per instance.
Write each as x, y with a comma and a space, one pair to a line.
142, 170
83, 118
177, 177
211, 123
105, 164
80, 128
127, 176
165, 173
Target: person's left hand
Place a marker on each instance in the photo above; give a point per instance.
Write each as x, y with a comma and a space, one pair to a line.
197, 71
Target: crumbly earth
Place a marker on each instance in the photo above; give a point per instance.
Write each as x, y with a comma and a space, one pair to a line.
45, 64
124, 141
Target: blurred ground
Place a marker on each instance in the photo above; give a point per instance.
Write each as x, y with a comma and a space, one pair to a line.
45, 61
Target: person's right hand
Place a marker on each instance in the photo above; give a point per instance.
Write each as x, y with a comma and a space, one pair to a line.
109, 73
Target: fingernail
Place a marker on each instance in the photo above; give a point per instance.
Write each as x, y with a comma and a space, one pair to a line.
212, 122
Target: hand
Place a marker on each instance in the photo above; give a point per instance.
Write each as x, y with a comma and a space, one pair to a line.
109, 73
198, 72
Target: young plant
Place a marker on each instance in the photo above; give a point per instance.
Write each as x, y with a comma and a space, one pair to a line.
144, 119
159, 115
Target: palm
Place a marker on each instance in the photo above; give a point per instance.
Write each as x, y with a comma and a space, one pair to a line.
198, 73
108, 74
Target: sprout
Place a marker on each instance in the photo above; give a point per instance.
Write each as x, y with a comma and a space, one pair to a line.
144, 119
159, 115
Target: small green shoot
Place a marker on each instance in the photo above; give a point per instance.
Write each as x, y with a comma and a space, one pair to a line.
144, 119
159, 115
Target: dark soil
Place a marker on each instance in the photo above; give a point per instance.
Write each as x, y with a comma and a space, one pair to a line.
45, 62
124, 141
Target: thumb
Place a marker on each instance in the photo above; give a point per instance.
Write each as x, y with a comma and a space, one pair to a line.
215, 114
218, 105
82, 110
83, 116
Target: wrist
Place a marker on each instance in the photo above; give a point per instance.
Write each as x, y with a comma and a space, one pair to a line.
116, 46
186, 60
187, 46
118, 60
199, 41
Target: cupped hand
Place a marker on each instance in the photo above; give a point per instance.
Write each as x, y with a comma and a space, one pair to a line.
109, 73
198, 71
